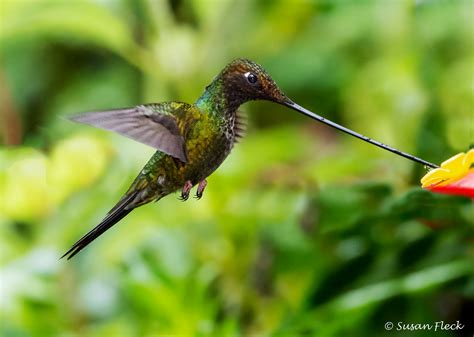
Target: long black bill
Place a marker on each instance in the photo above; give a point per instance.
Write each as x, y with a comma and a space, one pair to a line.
312, 115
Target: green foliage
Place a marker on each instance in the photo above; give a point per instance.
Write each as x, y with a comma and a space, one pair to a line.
303, 231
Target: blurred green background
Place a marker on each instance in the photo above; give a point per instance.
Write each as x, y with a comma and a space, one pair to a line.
303, 231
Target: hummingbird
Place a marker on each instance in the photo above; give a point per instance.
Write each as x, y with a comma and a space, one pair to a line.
192, 140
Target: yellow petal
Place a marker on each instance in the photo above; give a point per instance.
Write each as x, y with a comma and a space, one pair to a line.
451, 170
434, 177
455, 163
468, 161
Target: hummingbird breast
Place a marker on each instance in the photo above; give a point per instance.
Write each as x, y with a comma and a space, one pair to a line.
208, 142
208, 146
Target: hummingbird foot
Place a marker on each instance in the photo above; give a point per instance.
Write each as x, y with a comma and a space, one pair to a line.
185, 191
200, 190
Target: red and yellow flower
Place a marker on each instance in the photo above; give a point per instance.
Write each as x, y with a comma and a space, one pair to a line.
455, 176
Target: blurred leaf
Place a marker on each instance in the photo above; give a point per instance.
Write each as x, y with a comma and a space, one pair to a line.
81, 20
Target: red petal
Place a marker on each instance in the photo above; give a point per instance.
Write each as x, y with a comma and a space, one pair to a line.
463, 186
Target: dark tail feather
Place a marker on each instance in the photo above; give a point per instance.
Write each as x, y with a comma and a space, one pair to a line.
115, 215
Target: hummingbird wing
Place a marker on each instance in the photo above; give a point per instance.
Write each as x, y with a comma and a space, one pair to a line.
152, 124
240, 125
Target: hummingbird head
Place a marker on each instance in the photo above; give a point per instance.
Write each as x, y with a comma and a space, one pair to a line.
245, 80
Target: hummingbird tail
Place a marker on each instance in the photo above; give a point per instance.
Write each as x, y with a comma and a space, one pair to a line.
119, 211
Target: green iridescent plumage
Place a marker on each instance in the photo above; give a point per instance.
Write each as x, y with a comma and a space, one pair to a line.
192, 139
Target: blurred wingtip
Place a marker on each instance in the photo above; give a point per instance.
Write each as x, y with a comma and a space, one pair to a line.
67, 118
78, 118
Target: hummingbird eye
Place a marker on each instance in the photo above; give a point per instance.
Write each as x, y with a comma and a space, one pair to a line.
251, 77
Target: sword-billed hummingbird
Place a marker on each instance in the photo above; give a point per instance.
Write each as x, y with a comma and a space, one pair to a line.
192, 140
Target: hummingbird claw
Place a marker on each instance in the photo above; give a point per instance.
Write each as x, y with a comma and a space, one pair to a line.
202, 185
185, 191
